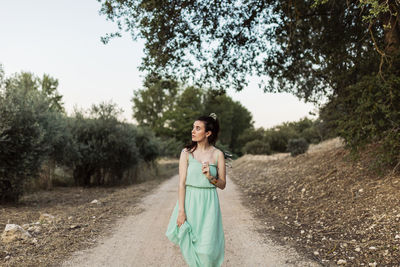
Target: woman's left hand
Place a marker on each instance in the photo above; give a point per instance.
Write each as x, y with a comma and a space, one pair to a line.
206, 169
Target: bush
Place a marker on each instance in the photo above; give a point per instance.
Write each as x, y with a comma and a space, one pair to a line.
279, 136
369, 112
297, 146
147, 143
257, 147
170, 147
105, 148
23, 145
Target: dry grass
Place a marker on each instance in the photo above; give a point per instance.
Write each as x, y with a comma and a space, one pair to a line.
325, 204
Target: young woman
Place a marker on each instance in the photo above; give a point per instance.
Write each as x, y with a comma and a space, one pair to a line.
196, 224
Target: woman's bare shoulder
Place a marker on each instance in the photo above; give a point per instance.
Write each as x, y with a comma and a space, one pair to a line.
218, 152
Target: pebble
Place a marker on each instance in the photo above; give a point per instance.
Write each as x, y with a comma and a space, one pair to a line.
372, 264
358, 249
341, 262
316, 253
7, 257
372, 248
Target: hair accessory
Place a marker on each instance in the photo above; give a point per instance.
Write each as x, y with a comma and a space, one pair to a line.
213, 115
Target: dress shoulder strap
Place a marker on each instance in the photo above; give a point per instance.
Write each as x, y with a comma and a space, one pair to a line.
187, 154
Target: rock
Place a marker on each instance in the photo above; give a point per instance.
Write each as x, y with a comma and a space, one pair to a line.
397, 237
47, 218
316, 253
95, 201
373, 264
14, 232
341, 262
372, 248
7, 257
74, 226
70, 218
358, 249
35, 228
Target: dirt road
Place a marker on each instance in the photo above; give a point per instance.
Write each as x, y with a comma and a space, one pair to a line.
139, 240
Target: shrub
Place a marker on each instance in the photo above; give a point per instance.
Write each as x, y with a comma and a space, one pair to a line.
147, 143
105, 148
257, 147
23, 144
279, 136
170, 147
297, 146
369, 112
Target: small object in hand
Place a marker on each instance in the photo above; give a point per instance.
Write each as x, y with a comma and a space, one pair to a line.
204, 164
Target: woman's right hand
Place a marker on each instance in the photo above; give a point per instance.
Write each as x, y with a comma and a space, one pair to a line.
181, 218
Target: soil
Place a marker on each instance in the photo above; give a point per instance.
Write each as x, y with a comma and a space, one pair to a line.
139, 239
78, 223
332, 208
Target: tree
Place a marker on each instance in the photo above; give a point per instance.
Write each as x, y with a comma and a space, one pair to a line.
188, 107
106, 147
49, 88
27, 81
151, 102
303, 47
30, 133
174, 116
234, 119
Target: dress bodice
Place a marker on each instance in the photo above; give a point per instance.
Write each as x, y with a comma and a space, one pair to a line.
195, 176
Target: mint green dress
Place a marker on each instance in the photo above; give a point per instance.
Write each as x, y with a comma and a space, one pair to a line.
201, 237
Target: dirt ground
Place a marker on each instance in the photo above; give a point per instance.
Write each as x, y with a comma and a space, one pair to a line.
322, 204
78, 223
139, 240
333, 209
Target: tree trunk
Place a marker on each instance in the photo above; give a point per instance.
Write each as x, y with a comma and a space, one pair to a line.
391, 21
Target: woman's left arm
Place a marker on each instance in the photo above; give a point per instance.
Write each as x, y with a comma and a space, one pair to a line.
221, 181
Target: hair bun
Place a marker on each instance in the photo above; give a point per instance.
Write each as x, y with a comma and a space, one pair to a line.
213, 115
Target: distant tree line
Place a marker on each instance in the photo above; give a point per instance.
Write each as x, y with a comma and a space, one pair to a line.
293, 137
170, 109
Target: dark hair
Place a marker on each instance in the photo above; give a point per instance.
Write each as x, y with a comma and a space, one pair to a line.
210, 124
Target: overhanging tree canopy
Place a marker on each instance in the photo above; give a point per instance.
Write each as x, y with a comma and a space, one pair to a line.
306, 47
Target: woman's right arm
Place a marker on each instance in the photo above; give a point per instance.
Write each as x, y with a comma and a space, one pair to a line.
183, 164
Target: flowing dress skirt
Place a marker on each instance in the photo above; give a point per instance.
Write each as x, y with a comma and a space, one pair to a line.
201, 238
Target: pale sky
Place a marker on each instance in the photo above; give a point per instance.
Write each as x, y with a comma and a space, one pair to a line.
62, 38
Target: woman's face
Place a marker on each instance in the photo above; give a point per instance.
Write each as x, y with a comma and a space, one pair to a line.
199, 131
